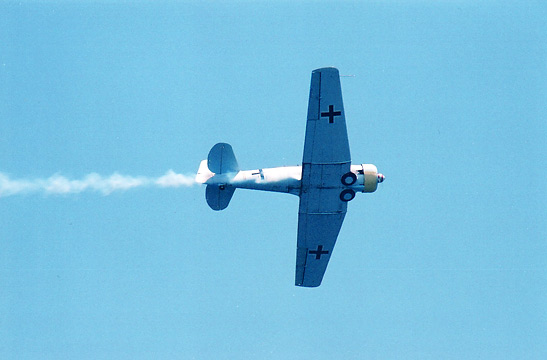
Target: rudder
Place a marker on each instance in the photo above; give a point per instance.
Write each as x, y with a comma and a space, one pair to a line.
203, 173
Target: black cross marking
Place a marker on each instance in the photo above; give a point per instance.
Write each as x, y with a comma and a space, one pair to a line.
260, 172
331, 114
318, 252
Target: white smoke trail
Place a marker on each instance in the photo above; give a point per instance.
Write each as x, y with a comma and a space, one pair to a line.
58, 184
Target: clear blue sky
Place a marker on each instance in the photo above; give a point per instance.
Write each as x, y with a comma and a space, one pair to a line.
447, 260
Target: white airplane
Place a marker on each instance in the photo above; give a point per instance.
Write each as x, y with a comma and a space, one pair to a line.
325, 182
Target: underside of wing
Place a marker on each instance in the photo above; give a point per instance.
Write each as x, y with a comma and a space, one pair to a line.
317, 233
326, 139
326, 159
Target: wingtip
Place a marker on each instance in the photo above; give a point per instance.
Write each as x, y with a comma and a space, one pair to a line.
307, 285
326, 69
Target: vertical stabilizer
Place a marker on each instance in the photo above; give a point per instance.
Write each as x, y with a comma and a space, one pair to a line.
204, 173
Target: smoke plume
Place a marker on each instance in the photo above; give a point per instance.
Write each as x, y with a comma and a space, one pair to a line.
58, 184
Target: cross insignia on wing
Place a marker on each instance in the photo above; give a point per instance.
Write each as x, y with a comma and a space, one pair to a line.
331, 114
318, 252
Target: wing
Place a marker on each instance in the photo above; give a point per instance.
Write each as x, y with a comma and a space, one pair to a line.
317, 235
326, 139
326, 159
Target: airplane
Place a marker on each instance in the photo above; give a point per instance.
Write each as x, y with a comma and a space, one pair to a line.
325, 182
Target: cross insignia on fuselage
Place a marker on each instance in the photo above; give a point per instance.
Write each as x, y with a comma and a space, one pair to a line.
331, 114
319, 252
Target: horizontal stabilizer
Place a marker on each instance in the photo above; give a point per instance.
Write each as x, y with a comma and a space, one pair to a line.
222, 160
218, 197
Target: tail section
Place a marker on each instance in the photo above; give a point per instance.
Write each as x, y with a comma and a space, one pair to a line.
218, 196
222, 160
204, 173
220, 166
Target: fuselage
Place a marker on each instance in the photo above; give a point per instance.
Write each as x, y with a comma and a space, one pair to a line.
287, 179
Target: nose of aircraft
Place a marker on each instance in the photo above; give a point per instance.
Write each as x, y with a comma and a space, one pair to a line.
381, 178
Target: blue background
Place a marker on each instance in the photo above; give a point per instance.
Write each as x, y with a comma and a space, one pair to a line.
446, 260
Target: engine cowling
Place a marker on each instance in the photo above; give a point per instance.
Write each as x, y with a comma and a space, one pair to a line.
367, 177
